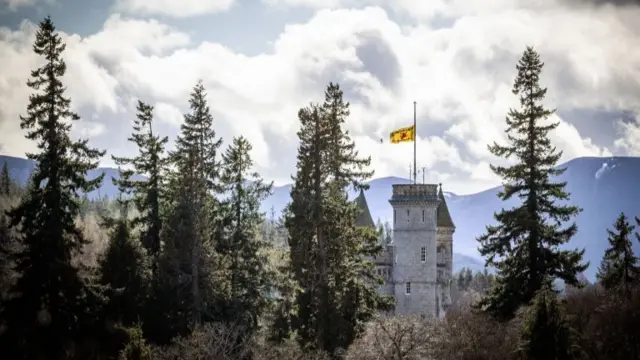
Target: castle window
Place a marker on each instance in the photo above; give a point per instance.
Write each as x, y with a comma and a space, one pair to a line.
422, 215
407, 215
394, 217
423, 254
408, 288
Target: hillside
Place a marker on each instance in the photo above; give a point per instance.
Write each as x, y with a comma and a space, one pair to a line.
603, 187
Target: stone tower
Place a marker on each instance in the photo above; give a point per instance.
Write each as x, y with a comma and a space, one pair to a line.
444, 244
414, 275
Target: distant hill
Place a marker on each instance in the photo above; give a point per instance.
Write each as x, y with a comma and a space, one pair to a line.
603, 187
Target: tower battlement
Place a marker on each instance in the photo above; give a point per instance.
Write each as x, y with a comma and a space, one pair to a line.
414, 192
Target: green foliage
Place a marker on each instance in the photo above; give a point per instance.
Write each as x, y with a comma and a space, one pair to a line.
524, 246
326, 248
193, 273
123, 269
136, 347
546, 334
619, 267
50, 304
5, 181
149, 161
241, 243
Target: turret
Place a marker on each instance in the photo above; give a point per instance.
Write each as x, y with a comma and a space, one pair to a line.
414, 274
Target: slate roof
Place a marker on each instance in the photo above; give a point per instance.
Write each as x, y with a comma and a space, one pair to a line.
364, 217
444, 218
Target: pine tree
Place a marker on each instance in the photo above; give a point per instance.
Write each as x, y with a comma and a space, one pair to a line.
5, 181
250, 277
195, 214
468, 278
546, 334
524, 246
123, 268
327, 249
619, 267
147, 195
49, 304
461, 280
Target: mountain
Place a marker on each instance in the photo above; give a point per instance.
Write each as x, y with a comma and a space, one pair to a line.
603, 187
20, 169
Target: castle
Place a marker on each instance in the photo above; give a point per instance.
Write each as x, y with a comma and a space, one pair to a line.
416, 264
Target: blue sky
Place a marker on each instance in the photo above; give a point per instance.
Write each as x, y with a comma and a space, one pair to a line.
262, 60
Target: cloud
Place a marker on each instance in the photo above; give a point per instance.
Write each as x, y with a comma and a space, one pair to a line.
171, 8
460, 74
13, 5
629, 141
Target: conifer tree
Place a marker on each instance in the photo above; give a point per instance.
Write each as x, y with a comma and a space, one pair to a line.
524, 246
124, 270
149, 161
468, 278
327, 249
250, 277
5, 181
546, 334
460, 280
619, 267
49, 303
194, 218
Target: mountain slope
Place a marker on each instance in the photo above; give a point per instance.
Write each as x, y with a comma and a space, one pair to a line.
603, 187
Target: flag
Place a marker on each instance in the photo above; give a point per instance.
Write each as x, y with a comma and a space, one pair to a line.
403, 135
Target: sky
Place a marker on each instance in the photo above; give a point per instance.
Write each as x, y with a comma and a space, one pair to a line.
262, 60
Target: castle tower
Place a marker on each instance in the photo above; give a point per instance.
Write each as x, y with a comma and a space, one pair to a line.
444, 241
414, 274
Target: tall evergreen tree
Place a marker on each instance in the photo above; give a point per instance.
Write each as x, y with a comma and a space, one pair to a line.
619, 267
546, 334
193, 222
45, 316
5, 180
124, 270
149, 161
524, 246
327, 249
250, 277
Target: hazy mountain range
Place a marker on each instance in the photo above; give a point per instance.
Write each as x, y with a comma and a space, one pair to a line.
603, 187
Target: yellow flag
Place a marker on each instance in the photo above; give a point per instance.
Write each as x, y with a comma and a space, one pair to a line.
403, 135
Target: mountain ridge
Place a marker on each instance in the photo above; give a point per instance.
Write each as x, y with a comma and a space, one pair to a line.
602, 186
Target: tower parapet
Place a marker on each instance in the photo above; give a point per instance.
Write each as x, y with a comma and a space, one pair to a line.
414, 192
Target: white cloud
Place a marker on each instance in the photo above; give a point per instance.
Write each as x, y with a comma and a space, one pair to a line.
15, 4
315, 4
179, 9
460, 76
629, 141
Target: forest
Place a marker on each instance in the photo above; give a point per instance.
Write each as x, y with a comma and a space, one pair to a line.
183, 264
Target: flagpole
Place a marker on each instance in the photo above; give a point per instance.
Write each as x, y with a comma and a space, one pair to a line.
415, 140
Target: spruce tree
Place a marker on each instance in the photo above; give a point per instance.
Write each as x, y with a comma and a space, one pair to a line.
195, 215
546, 334
524, 246
460, 282
48, 308
327, 249
150, 161
5, 181
250, 277
468, 278
619, 267
124, 270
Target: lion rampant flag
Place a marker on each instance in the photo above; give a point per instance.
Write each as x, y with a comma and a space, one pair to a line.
403, 135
